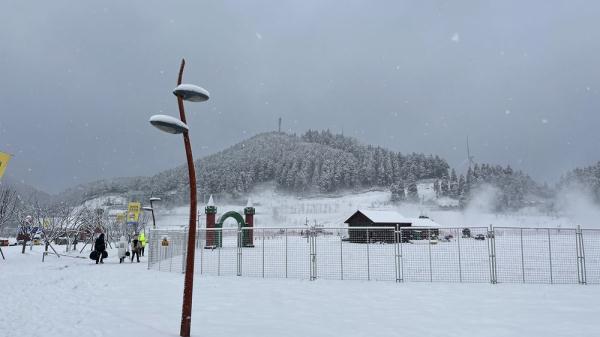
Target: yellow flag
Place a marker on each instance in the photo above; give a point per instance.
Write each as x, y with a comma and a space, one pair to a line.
4, 159
134, 211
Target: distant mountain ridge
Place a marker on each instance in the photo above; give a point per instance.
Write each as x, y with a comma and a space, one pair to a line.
314, 163
26, 192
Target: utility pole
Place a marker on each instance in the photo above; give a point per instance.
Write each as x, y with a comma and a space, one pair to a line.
279, 129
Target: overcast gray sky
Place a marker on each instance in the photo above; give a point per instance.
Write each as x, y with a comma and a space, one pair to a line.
79, 80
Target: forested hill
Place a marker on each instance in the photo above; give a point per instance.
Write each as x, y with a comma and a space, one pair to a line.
312, 163
316, 162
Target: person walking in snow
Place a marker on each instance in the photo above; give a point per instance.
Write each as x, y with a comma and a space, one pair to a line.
142, 239
100, 248
122, 249
136, 248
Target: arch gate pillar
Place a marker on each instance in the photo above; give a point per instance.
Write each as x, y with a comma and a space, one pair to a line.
249, 218
211, 212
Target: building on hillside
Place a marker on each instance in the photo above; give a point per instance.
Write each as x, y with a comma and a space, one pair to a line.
384, 224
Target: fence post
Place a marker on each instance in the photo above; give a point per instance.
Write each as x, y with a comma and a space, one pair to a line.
401, 258
368, 257
202, 247
313, 254
286, 253
492, 250
458, 235
522, 257
396, 253
183, 241
341, 258
581, 270
429, 249
219, 247
240, 238
150, 247
263, 252
550, 257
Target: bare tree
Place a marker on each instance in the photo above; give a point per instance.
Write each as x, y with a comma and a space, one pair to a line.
92, 222
8, 207
54, 222
27, 230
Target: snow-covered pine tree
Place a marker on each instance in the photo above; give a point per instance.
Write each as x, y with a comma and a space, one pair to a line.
413, 193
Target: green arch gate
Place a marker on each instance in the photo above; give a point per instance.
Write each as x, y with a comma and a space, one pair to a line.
244, 238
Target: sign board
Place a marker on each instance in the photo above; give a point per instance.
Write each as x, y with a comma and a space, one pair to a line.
133, 212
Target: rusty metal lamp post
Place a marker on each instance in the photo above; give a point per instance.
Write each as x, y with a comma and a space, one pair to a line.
173, 125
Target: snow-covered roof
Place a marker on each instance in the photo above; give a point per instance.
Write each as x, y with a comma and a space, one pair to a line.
249, 204
393, 217
211, 202
422, 222
384, 216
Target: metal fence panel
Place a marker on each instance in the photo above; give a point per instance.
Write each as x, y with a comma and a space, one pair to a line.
327, 253
470, 254
382, 256
273, 248
510, 261
591, 247
298, 254
353, 253
563, 255
416, 255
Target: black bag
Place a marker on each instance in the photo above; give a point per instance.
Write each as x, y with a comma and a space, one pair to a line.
127, 253
94, 255
104, 254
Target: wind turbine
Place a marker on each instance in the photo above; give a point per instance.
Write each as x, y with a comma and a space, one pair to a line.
470, 159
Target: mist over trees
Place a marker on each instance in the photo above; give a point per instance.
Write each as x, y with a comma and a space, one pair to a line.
585, 178
513, 186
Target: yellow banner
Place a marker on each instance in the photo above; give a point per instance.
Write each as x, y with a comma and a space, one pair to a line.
133, 211
4, 159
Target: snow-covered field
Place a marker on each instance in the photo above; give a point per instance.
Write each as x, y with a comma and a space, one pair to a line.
74, 297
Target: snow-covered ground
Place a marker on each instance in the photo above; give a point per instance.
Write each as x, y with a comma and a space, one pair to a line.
74, 297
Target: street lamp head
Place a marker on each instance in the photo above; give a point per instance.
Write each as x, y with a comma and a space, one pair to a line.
146, 208
154, 199
192, 93
168, 124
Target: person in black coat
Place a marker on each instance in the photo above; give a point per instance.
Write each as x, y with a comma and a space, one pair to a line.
100, 248
136, 248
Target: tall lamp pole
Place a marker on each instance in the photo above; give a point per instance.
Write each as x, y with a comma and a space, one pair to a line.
153, 199
173, 125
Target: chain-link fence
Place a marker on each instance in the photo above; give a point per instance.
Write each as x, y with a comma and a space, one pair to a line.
471, 254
